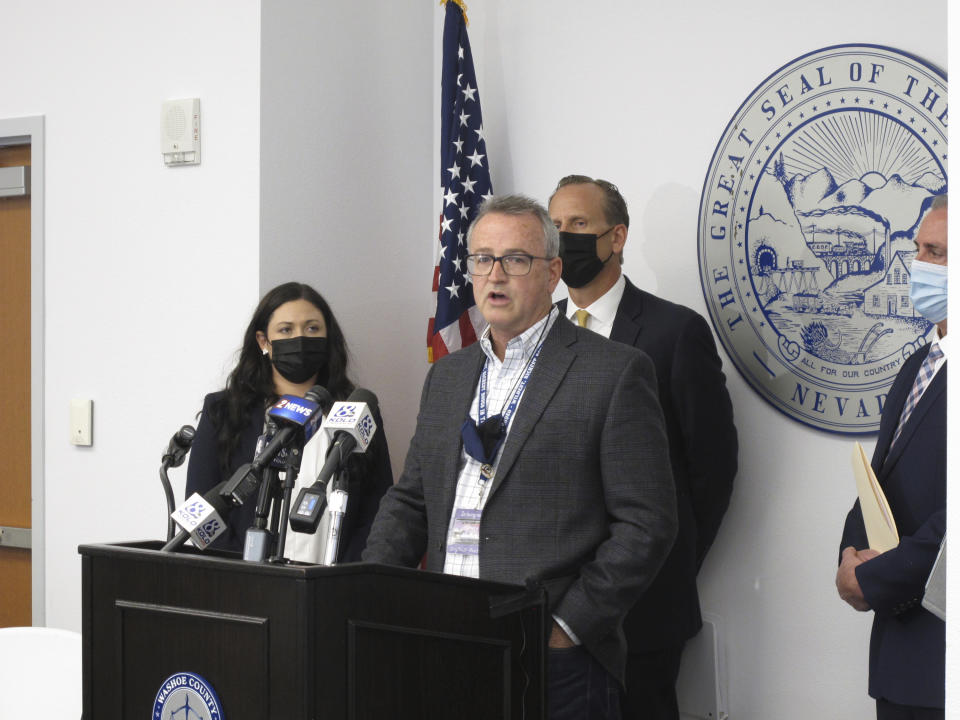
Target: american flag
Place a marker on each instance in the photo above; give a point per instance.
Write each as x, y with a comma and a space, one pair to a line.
465, 183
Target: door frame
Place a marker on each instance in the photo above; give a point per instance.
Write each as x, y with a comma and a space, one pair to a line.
22, 131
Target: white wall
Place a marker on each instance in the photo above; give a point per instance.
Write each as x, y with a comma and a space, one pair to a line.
150, 273
639, 94
348, 181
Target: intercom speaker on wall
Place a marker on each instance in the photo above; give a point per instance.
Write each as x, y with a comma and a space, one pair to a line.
180, 132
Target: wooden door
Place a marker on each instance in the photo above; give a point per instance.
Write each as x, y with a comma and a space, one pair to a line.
15, 571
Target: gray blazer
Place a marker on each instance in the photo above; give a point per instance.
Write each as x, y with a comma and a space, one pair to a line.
583, 497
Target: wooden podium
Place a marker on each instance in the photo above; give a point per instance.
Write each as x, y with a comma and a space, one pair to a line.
291, 642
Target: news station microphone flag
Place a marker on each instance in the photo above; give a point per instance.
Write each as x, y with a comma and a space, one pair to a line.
465, 183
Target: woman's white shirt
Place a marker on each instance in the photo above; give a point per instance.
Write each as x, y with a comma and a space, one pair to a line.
305, 547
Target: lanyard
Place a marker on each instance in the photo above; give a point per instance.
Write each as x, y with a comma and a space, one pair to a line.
482, 443
518, 391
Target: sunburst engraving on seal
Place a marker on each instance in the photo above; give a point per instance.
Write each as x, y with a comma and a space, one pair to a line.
807, 219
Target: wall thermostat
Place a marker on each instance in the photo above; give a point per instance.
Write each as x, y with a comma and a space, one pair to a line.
180, 132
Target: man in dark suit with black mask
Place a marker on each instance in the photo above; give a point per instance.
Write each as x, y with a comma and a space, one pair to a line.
907, 644
592, 218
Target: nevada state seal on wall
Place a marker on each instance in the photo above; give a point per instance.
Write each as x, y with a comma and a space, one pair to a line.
807, 220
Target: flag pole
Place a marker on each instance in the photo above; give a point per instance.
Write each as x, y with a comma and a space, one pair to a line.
463, 8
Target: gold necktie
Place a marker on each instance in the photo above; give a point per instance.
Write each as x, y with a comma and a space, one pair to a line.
582, 316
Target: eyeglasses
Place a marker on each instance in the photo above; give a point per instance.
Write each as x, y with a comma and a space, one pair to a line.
516, 264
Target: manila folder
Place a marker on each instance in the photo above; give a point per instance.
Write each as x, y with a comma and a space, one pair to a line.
877, 517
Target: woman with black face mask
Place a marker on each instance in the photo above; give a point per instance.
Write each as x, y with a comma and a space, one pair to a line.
292, 343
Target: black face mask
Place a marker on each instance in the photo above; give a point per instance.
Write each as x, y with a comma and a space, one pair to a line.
299, 359
579, 254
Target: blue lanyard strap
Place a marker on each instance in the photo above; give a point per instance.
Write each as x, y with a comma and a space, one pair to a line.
514, 400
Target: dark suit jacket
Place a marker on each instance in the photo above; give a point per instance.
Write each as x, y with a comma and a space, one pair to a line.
370, 476
703, 454
907, 642
568, 506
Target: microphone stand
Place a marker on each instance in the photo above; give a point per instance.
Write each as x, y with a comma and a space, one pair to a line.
168, 493
176, 452
264, 497
294, 458
337, 507
258, 541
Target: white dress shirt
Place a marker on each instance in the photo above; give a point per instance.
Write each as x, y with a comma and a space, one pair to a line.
502, 379
603, 310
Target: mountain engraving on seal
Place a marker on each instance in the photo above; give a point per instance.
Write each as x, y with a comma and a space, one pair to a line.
808, 217
834, 273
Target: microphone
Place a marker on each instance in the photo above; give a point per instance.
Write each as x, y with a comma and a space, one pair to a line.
294, 414
279, 460
351, 424
179, 446
201, 519
297, 417
351, 427
176, 452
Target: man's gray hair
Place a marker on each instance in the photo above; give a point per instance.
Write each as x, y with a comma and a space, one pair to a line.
521, 205
939, 202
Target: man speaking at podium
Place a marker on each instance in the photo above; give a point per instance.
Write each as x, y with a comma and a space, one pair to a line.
907, 644
540, 453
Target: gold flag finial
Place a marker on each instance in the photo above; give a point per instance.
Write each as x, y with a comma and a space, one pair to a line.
463, 8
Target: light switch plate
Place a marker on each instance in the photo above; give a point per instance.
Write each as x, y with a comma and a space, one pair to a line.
81, 422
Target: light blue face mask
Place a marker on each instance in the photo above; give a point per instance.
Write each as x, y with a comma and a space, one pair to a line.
928, 290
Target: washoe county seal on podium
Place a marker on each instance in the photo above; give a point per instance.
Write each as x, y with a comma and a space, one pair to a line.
186, 696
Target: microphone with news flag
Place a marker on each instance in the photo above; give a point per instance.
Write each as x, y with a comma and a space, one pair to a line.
350, 425
200, 518
297, 419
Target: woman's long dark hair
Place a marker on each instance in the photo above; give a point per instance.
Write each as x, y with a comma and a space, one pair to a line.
250, 385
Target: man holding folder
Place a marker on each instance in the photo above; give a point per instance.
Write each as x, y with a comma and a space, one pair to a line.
907, 642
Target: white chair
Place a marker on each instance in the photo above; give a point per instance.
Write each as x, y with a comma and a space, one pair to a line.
41, 673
